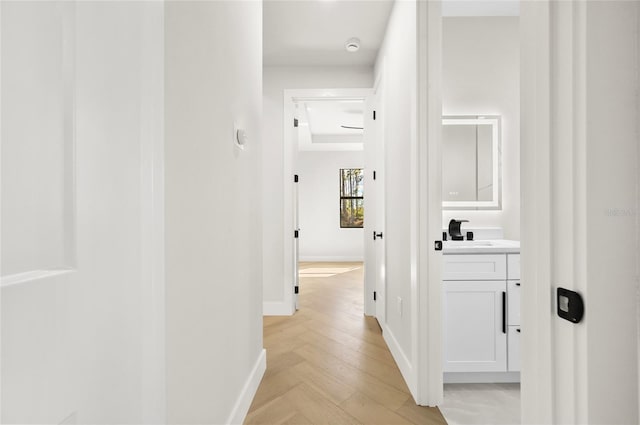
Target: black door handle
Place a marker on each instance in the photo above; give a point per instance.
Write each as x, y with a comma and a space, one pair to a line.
504, 312
377, 235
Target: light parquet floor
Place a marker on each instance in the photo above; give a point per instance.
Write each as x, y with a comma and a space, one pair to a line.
328, 364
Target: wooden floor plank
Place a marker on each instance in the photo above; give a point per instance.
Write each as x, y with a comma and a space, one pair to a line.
369, 411
317, 408
328, 363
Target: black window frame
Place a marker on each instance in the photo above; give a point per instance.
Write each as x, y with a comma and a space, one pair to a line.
342, 198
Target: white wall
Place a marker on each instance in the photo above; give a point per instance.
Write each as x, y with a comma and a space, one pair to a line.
398, 59
215, 358
480, 75
78, 105
321, 238
276, 80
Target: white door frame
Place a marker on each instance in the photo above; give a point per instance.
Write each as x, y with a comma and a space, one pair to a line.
566, 63
289, 169
154, 403
427, 294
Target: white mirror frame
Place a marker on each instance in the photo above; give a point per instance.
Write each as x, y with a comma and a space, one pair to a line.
496, 199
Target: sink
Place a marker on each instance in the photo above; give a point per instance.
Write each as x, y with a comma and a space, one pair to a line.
481, 245
468, 244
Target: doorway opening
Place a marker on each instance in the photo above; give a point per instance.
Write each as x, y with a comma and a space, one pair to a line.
481, 189
325, 174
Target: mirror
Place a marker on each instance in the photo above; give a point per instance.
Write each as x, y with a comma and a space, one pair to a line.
471, 177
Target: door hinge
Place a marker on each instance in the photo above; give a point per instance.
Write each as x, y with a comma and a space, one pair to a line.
295, 178
374, 115
374, 174
296, 233
374, 296
295, 289
295, 122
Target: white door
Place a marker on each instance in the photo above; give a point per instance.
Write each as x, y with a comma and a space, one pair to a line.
374, 205
379, 189
296, 241
475, 328
295, 231
81, 197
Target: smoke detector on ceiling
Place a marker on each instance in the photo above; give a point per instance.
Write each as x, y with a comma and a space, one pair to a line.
352, 45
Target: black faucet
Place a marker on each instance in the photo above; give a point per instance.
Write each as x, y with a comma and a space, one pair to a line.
454, 229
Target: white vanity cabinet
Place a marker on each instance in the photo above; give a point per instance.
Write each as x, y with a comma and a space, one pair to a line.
481, 317
474, 338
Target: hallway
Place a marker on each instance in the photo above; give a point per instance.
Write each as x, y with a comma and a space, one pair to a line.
329, 363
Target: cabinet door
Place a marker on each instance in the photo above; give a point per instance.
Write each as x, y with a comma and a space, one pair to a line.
475, 338
513, 304
514, 348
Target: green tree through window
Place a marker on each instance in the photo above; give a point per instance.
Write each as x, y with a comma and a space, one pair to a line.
351, 197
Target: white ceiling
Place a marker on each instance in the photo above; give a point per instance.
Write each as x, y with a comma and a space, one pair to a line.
320, 124
314, 32
326, 118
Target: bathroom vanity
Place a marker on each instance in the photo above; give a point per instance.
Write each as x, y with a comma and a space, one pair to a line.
481, 311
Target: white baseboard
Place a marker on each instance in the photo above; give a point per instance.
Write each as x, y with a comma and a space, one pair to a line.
480, 377
401, 360
332, 259
277, 308
241, 407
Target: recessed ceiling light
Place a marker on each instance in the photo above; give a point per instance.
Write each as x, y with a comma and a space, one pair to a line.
352, 45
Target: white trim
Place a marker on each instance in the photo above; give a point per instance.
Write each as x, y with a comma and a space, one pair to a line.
152, 218
277, 308
401, 359
242, 404
537, 371
333, 259
481, 377
427, 320
1, 144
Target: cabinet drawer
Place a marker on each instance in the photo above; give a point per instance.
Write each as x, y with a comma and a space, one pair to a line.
513, 303
513, 344
513, 266
474, 267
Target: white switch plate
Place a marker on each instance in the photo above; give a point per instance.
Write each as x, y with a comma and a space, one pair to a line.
400, 306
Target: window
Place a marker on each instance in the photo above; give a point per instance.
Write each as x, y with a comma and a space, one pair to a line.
351, 197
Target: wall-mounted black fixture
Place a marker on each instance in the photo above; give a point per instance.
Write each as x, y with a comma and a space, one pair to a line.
570, 305
469, 236
454, 229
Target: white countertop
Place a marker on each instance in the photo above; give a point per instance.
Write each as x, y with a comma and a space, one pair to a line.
490, 246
